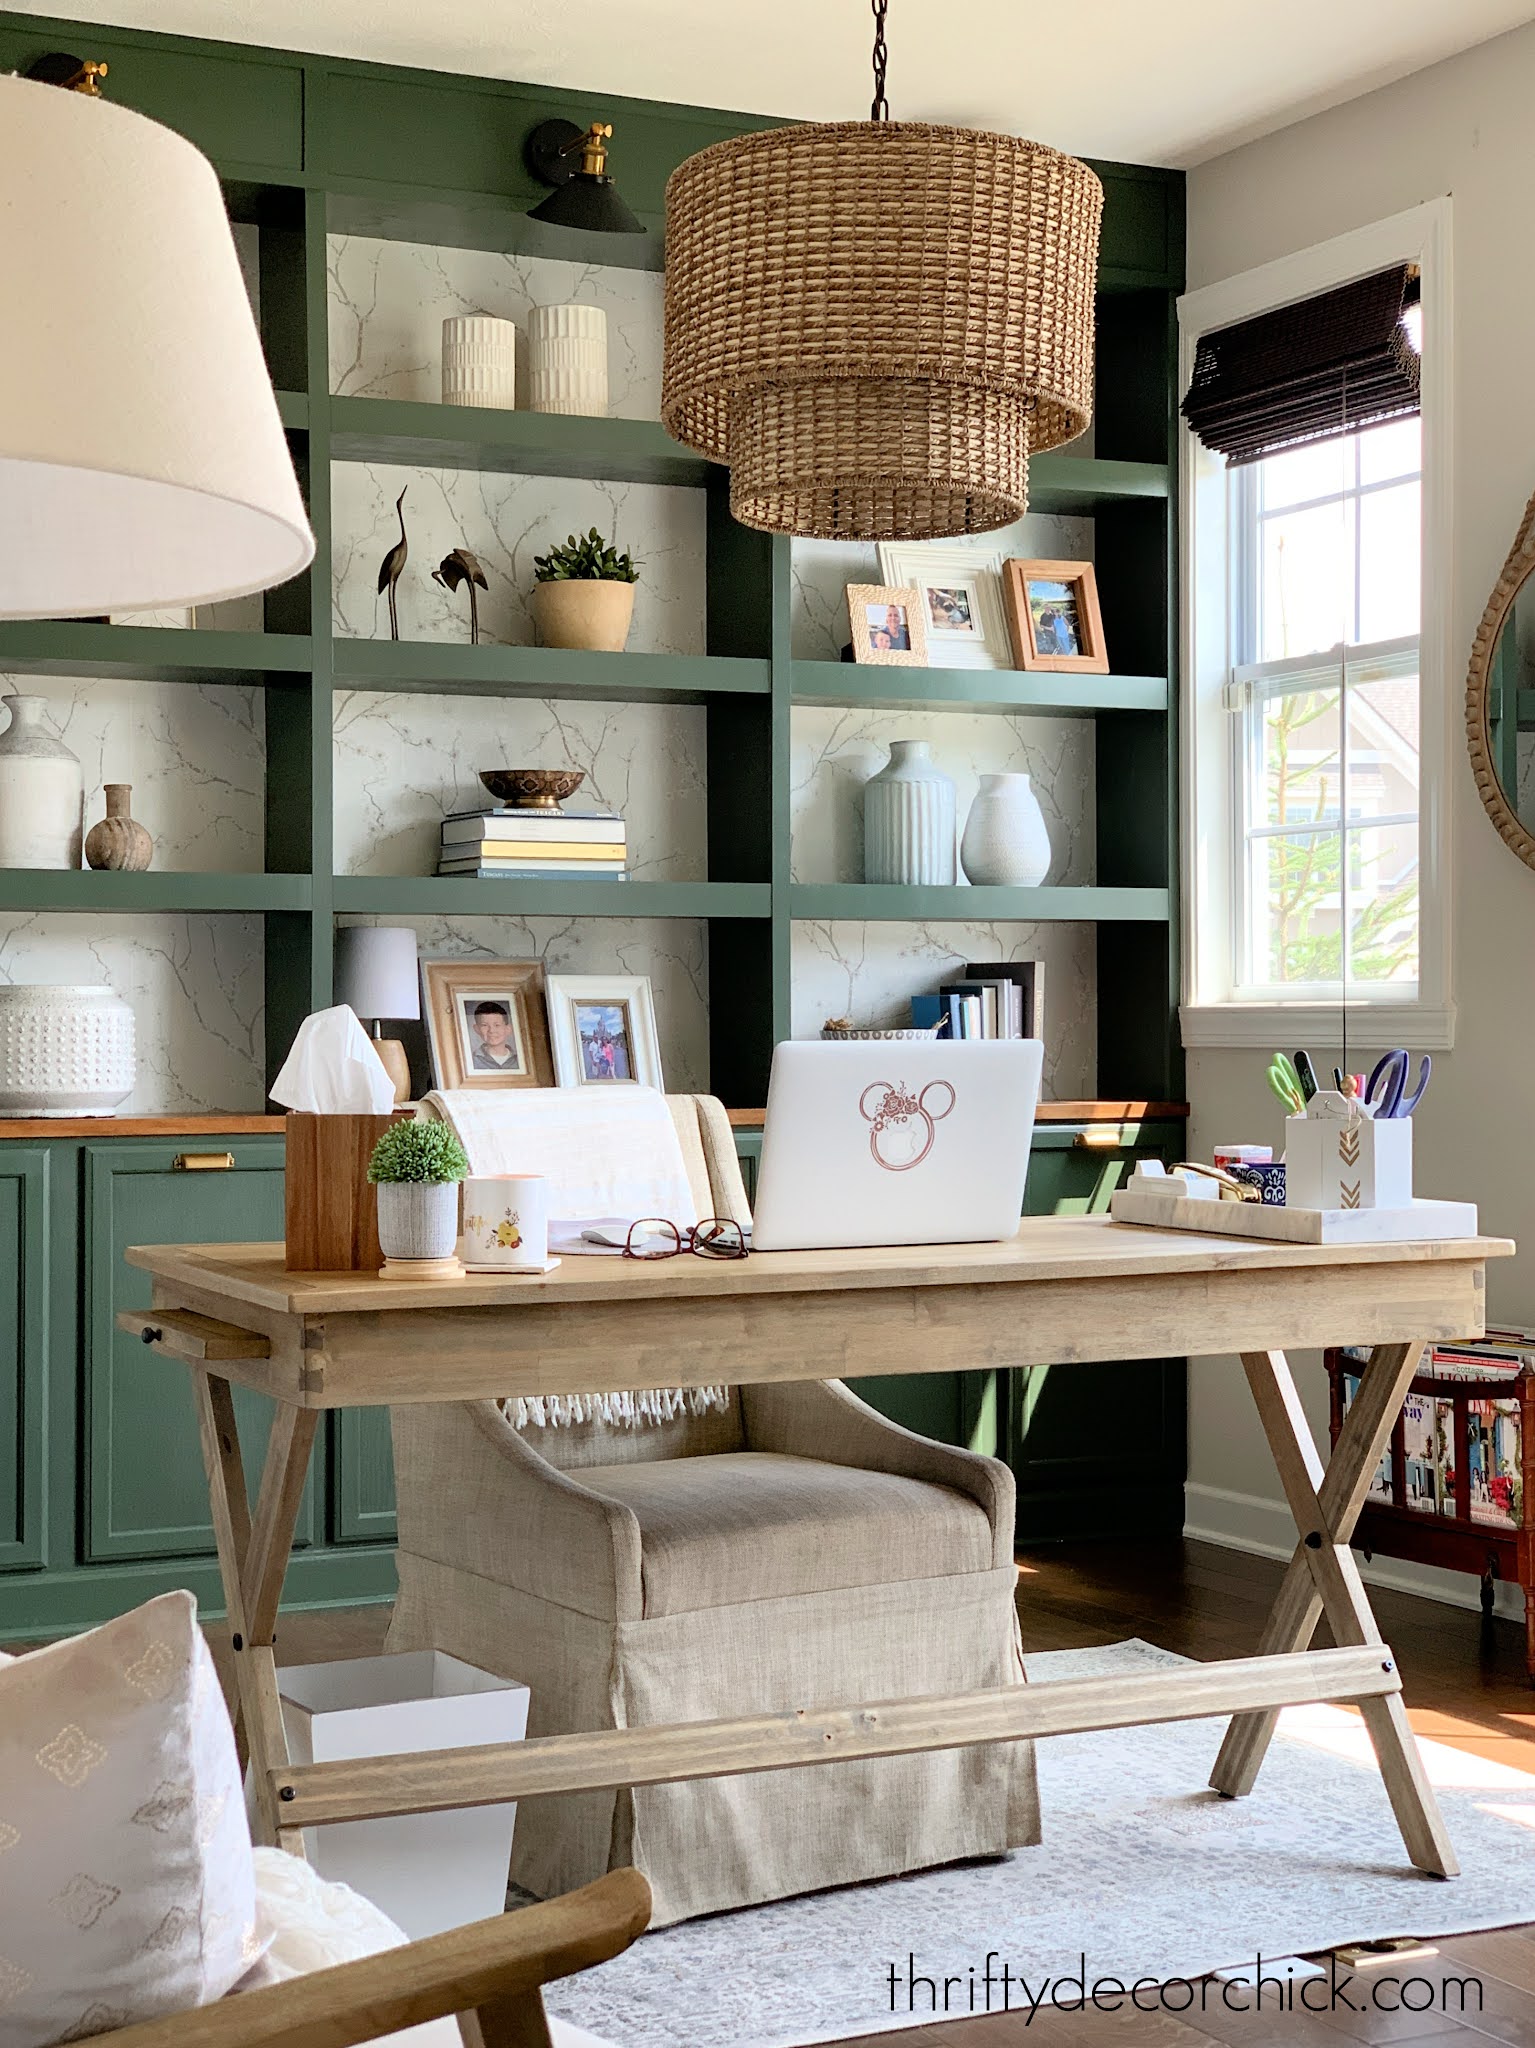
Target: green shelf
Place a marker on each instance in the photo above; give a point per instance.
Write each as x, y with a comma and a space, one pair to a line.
485, 671
419, 436
858, 902
467, 896
1082, 485
156, 654
159, 890
882, 688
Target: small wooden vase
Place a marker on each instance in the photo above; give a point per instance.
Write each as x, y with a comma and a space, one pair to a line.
117, 840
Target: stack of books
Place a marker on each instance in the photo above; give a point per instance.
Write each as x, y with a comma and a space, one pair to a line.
996, 999
534, 844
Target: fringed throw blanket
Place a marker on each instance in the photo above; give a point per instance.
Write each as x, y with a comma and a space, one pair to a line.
604, 1152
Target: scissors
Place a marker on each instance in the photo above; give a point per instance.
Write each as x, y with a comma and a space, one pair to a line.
1286, 1083
1305, 1073
1389, 1074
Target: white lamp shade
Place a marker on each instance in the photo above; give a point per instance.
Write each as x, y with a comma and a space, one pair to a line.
376, 970
142, 459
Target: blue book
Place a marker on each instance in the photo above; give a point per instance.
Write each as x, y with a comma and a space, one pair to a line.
928, 1012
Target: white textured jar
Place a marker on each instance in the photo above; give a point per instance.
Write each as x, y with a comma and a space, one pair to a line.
418, 1219
568, 360
1006, 844
64, 1051
908, 820
479, 361
42, 792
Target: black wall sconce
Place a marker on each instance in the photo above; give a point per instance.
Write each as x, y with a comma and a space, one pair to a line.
584, 196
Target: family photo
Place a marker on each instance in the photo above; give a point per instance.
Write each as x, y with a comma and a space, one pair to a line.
889, 632
1057, 623
603, 1032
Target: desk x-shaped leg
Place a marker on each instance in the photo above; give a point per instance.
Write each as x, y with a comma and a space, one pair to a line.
253, 1558
1323, 1578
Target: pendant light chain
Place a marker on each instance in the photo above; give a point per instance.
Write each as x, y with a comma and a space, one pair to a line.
880, 111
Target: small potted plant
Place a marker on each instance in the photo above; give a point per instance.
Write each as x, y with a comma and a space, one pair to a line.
584, 596
416, 1167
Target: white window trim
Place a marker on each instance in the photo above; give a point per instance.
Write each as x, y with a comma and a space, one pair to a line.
1210, 1016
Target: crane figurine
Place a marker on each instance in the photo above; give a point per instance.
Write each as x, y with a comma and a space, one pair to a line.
392, 567
463, 567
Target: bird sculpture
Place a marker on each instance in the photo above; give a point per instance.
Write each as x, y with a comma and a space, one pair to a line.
463, 567
392, 567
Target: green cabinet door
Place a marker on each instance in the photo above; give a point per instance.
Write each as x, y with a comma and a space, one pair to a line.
144, 1492
24, 1310
362, 1477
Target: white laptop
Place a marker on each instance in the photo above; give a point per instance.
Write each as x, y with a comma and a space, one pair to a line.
895, 1141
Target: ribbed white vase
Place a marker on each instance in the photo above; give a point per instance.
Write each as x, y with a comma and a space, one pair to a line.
479, 361
1006, 844
568, 359
908, 820
64, 1051
41, 792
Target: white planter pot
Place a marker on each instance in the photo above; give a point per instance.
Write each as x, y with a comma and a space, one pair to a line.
1006, 844
479, 361
41, 792
568, 362
64, 1051
908, 820
418, 1219
430, 1871
584, 612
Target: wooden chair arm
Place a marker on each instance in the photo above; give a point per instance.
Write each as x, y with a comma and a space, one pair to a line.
494, 1967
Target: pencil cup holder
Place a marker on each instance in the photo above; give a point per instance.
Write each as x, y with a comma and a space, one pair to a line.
1337, 1163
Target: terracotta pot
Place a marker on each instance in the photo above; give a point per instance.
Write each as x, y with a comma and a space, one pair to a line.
584, 612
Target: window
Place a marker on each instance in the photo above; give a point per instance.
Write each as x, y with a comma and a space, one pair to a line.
1316, 685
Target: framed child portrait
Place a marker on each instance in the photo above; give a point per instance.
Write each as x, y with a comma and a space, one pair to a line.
485, 1023
1053, 615
603, 1027
887, 624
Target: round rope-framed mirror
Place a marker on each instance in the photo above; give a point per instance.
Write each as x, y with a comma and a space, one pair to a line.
1500, 698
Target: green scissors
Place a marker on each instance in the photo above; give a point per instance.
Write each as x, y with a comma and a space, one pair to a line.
1285, 1082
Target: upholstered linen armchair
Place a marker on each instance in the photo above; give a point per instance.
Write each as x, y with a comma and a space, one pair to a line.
794, 1550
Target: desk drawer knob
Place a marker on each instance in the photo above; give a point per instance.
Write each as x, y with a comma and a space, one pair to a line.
203, 1162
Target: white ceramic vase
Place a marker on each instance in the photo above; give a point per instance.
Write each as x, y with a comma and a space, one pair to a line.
42, 793
1006, 844
418, 1219
568, 366
64, 1051
908, 820
479, 361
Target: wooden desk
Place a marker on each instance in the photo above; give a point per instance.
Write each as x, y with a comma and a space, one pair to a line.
1064, 1290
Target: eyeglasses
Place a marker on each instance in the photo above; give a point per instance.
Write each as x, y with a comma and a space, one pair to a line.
656, 1237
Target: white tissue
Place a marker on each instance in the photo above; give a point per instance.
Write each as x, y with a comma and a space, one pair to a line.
332, 1069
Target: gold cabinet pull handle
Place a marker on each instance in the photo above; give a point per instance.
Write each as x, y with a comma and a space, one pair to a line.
1099, 1139
203, 1162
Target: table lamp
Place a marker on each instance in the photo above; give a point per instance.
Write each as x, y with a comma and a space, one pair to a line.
142, 459
376, 976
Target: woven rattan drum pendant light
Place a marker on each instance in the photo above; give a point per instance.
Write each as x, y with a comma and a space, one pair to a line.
876, 323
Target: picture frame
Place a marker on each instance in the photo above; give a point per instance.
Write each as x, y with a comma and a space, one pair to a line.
1053, 616
471, 1046
603, 1030
886, 623
960, 589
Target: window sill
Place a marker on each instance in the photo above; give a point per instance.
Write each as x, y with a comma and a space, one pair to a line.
1425, 1027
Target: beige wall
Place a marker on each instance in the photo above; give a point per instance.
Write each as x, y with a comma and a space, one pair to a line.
1463, 127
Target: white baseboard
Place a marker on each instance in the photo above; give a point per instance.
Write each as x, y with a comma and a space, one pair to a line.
1245, 1521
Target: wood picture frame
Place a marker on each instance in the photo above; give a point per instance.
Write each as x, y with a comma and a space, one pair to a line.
896, 640
960, 587
603, 1029
1052, 607
470, 1048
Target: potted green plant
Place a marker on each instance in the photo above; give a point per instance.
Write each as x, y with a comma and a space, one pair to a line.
584, 595
416, 1167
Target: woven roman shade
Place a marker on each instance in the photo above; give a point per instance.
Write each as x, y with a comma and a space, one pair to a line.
875, 324
1309, 372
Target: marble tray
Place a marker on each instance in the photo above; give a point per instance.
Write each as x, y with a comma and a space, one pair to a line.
1416, 1224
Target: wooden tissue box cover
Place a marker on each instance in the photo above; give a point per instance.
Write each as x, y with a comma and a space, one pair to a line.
331, 1219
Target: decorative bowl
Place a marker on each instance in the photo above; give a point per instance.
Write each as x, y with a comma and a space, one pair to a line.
532, 789
837, 1031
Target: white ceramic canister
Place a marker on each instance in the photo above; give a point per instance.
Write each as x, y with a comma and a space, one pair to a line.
908, 820
1006, 844
479, 361
64, 1050
42, 792
506, 1223
568, 360
418, 1219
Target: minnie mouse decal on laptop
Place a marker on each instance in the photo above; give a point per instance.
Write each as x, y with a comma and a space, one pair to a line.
903, 1126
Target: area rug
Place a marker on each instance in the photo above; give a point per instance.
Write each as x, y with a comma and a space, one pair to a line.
1143, 1873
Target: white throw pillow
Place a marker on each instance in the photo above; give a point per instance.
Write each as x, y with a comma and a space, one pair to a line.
127, 1889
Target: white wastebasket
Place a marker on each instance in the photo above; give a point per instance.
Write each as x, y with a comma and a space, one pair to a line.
428, 1871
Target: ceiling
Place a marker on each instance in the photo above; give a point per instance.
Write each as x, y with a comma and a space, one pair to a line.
1144, 81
